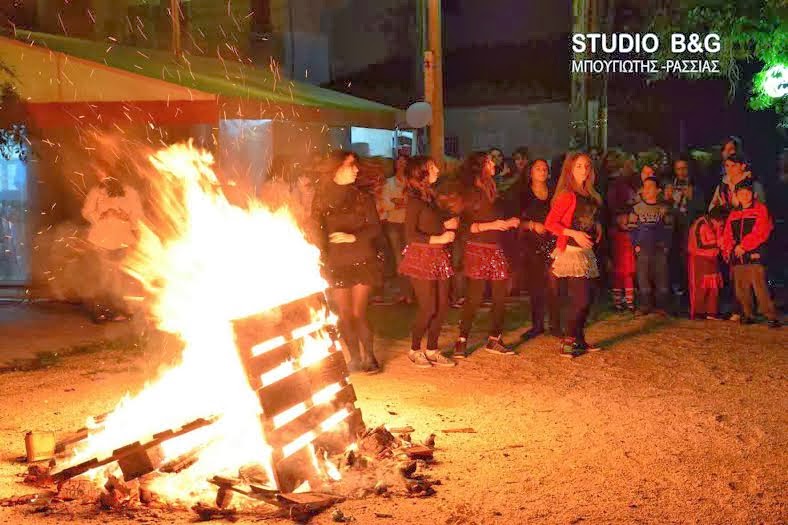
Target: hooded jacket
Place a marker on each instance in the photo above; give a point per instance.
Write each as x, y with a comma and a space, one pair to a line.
750, 228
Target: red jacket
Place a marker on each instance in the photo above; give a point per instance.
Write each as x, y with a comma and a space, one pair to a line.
703, 239
560, 217
749, 228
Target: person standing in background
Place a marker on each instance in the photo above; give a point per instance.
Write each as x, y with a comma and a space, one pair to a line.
114, 211
743, 241
705, 279
651, 237
393, 206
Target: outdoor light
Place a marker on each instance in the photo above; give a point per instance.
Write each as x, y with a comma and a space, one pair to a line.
775, 83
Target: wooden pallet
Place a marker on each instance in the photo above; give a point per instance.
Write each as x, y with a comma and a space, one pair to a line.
135, 459
268, 340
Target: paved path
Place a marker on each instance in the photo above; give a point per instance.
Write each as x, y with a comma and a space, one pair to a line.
29, 329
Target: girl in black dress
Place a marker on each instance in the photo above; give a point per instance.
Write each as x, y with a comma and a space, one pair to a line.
426, 260
348, 226
484, 260
537, 245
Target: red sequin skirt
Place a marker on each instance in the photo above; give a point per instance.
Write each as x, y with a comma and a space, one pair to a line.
430, 262
485, 262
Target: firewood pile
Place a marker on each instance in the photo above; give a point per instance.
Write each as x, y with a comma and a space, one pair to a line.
382, 463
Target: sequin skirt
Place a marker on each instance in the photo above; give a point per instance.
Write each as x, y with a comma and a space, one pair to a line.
485, 262
575, 262
430, 262
367, 272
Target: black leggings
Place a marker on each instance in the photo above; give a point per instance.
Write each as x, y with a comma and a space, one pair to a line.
351, 304
542, 289
473, 299
580, 293
432, 300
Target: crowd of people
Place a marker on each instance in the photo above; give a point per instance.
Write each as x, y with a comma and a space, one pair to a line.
558, 231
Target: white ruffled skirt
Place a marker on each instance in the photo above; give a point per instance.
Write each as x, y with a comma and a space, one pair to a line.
575, 262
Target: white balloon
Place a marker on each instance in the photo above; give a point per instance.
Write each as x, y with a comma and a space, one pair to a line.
419, 114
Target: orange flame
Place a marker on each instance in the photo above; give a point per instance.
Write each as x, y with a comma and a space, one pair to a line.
218, 262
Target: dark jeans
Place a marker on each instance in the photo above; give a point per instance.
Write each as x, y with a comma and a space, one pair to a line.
473, 299
580, 292
432, 299
395, 233
653, 279
542, 289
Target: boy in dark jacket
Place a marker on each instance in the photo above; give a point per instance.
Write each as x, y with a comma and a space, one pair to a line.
651, 237
746, 231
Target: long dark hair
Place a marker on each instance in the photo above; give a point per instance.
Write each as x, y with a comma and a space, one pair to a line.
472, 174
112, 187
323, 194
417, 174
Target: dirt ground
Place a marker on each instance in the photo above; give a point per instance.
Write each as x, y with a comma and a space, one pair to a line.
674, 422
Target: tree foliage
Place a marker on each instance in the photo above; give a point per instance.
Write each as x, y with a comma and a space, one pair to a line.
749, 30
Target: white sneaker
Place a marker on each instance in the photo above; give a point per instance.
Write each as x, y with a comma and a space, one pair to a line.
419, 359
437, 358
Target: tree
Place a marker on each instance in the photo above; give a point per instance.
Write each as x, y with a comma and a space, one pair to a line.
751, 31
12, 118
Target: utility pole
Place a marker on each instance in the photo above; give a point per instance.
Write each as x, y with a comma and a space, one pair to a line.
436, 98
578, 103
175, 16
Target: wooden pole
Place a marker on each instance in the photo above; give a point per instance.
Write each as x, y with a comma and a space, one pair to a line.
436, 46
175, 16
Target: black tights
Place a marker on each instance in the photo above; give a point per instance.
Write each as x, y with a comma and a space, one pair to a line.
580, 293
351, 304
432, 300
473, 299
543, 289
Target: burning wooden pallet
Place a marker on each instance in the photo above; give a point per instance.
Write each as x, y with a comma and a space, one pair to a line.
135, 459
304, 392
306, 400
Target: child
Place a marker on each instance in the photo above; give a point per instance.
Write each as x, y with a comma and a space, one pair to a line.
623, 256
651, 238
705, 279
746, 231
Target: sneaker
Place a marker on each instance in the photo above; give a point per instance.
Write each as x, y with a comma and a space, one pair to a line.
438, 359
734, 317
460, 349
747, 320
775, 323
496, 346
619, 308
419, 359
713, 318
571, 349
532, 333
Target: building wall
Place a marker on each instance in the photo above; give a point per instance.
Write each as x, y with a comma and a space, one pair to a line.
544, 128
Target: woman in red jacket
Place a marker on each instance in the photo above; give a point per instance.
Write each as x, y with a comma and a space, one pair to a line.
574, 219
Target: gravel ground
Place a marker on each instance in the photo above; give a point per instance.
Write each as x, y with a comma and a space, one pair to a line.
674, 422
